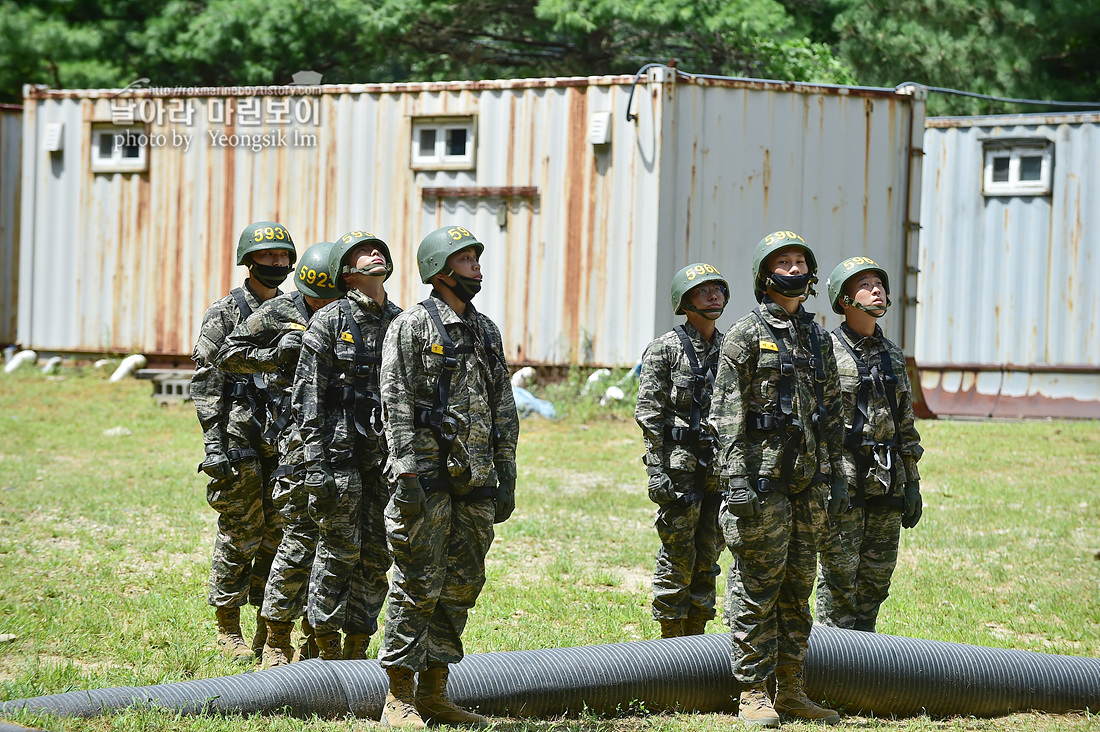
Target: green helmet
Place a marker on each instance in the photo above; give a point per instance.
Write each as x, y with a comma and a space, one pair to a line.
773, 243
264, 235
436, 247
314, 278
848, 269
345, 244
692, 276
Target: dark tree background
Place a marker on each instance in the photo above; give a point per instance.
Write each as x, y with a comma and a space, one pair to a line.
1016, 48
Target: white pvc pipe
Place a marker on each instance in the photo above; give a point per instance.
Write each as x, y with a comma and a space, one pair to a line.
129, 365
19, 359
53, 365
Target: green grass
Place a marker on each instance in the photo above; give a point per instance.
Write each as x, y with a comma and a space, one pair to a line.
105, 542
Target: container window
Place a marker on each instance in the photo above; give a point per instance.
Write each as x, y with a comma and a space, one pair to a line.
1018, 169
119, 149
443, 143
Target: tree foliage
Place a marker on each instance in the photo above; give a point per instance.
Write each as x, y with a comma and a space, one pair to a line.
1034, 48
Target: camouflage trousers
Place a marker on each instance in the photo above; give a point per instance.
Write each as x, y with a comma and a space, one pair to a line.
438, 573
856, 565
770, 580
288, 581
347, 585
683, 581
249, 530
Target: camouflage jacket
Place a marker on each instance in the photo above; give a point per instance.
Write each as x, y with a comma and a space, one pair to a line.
747, 386
322, 402
480, 396
665, 388
253, 346
227, 421
878, 425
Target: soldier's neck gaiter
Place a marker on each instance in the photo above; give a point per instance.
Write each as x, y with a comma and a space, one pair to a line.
466, 287
791, 286
270, 275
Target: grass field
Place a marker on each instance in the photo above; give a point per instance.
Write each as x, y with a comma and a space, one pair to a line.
105, 543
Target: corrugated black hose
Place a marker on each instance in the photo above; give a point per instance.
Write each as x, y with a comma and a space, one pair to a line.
866, 673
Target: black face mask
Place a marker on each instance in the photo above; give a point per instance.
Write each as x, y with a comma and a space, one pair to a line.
465, 287
270, 275
791, 286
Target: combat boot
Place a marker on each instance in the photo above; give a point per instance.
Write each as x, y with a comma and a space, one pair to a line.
308, 647
755, 708
671, 628
695, 625
355, 647
260, 638
791, 701
434, 706
328, 646
400, 710
230, 640
278, 650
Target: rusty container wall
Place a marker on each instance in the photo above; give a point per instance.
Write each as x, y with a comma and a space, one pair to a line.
582, 231
1008, 303
145, 253
829, 163
11, 180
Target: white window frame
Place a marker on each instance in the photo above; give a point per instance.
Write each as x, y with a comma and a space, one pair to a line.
438, 159
116, 162
1014, 151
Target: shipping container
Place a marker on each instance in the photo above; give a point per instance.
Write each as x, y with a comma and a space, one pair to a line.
589, 193
11, 181
1008, 302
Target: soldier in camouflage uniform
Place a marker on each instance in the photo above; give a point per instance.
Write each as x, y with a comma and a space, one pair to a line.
882, 448
337, 408
269, 342
452, 427
673, 408
776, 409
239, 462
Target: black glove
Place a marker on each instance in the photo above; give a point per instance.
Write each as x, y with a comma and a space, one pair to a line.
319, 482
741, 500
506, 493
661, 491
215, 464
839, 502
408, 496
290, 345
914, 505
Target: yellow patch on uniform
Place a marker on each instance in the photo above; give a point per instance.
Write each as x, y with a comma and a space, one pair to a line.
296, 326
437, 348
346, 336
768, 346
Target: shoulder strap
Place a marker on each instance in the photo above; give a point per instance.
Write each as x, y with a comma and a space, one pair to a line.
786, 369
242, 302
890, 384
699, 379
820, 414
363, 360
299, 301
854, 437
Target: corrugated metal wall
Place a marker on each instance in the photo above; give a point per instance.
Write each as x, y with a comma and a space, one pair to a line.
11, 184
1008, 302
748, 160
576, 273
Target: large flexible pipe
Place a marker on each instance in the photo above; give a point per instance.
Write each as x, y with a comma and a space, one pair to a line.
860, 672
19, 359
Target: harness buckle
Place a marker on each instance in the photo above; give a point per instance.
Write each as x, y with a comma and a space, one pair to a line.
786, 369
450, 363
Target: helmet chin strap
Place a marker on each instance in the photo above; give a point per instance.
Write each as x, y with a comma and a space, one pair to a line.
375, 270
709, 314
465, 287
875, 312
